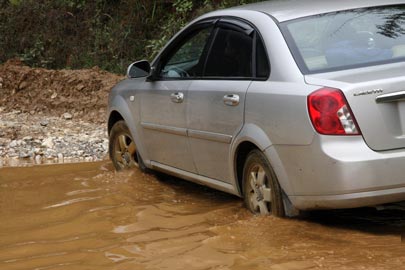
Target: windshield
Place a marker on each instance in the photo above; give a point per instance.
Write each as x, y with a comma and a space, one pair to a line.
347, 39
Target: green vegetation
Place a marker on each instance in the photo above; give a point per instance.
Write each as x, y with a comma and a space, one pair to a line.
85, 33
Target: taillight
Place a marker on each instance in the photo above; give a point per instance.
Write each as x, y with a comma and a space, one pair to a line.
330, 113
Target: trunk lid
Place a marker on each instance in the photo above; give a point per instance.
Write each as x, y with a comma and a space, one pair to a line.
376, 96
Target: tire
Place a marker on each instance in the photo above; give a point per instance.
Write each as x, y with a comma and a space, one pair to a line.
122, 148
261, 190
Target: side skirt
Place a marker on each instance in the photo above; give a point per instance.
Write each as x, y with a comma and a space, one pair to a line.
195, 178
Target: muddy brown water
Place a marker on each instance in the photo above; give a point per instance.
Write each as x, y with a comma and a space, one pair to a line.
86, 216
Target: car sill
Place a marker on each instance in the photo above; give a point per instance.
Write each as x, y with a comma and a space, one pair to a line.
202, 180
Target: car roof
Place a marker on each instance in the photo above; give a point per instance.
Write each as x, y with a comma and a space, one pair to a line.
284, 10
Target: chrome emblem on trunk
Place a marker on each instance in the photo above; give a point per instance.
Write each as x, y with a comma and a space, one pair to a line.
368, 92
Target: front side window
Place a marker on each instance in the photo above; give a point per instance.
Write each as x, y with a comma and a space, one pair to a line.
186, 60
230, 55
347, 39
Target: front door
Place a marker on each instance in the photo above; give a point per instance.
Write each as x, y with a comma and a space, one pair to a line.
164, 103
163, 121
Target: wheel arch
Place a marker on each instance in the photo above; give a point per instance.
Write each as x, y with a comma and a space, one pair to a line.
242, 152
113, 118
119, 109
253, 137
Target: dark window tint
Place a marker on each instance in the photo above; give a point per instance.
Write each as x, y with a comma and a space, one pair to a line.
262, 63
185, 60
230, 55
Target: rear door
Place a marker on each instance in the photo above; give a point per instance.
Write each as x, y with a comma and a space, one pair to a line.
216, 102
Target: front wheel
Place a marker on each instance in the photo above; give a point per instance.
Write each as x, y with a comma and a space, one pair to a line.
122, 148
262, 193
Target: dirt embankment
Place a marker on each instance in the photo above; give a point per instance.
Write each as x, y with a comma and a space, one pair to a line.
81, 93
49, 116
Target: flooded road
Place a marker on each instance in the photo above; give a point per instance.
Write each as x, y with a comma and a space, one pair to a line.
86, 216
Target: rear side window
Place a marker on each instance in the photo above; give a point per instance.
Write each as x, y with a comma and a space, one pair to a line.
347, 39
262, 63
230, 55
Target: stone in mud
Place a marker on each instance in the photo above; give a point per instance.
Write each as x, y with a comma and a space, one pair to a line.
24, 155
23, 85
48, 143
13, 143
38, 159
67, 116
44, 123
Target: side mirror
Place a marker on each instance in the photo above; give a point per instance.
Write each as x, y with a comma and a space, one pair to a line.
139, 69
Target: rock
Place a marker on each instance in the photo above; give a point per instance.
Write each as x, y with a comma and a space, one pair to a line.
13, 144
4, 141
23, 85
38, 159
48, 143
80, 87
67, 116
24, 155
12, 154
54, 95
27, 138
44, 123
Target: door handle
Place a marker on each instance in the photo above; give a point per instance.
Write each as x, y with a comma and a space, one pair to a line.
231, 100
177, 97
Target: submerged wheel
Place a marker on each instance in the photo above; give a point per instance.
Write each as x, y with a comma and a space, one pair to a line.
261, 191
122, 148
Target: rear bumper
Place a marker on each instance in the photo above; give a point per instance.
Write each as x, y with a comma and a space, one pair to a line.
342, 172
351, 200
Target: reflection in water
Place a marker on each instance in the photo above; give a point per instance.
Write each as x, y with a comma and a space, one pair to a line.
88, 217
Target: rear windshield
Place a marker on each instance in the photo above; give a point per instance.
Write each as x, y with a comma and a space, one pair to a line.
347, 39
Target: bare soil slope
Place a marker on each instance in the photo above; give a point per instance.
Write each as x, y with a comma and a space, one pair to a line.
82, 93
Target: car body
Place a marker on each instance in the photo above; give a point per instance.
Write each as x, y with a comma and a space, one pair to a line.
314, 88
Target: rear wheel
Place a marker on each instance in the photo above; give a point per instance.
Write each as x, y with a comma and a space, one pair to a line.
122, 148
262, 193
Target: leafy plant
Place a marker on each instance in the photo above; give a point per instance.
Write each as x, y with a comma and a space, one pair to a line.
83, 33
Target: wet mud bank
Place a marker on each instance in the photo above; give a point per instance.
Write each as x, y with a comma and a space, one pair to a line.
86, 216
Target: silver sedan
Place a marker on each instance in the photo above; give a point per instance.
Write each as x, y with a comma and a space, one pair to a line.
292, 105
